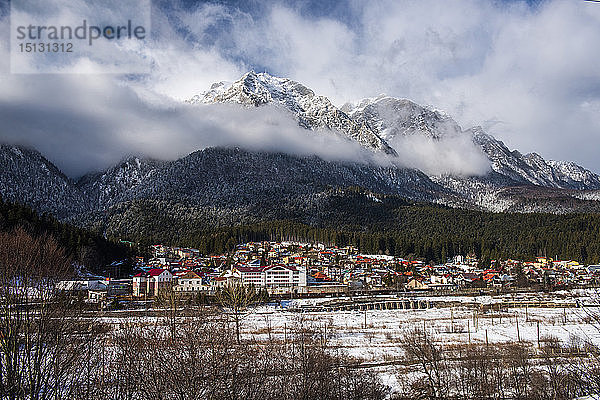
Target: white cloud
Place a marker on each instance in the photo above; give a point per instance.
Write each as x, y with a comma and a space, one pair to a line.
94, 123
527, 74
484, 62
453, 155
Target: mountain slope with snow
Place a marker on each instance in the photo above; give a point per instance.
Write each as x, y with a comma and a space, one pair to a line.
310, 110
380, 123
29, 178
392, 117
103, 188
231, 183
532, 168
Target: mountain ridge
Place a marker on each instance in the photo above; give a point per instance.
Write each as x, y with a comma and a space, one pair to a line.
236, 184
310, 110
384, 118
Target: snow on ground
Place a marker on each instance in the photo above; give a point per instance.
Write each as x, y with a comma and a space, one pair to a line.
375, 336
380, 340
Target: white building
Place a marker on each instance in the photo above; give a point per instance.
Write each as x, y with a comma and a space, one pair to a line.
152, 282
284, 276
188, 282
271, 276
250, 275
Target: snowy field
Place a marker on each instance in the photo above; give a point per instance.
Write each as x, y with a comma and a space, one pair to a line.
379, 340
373, 338
385, 328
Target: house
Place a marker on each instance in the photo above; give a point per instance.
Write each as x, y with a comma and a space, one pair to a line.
189, 282
415, 284
152, 282
250, 275
440, 282
468, 279
218, 282
269, 276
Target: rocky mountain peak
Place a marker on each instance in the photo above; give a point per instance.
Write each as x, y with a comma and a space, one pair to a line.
310, 110
392, 117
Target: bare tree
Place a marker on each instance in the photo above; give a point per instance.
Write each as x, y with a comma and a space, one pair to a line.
476, 372
37, 357
419, 347
238, 299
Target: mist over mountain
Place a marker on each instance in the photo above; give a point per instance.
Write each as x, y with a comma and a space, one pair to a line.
409, 135
518, 69
397, 148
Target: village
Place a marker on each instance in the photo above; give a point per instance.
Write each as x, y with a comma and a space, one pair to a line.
365, 307
295, 270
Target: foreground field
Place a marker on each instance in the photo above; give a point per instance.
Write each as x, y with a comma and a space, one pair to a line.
403, 347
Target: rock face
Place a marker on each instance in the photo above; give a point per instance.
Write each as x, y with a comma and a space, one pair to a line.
392, 117
310, 110
230, 184
376, 122
532, 168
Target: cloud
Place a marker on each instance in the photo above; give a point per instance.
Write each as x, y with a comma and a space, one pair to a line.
92, 126
523, 72
452, 155
526, 73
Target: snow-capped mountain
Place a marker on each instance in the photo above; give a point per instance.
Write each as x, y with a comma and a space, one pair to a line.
574, 175
532, 168
227, 186
378, 122
391, 117
310, 110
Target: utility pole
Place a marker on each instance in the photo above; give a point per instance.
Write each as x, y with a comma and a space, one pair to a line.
469, 330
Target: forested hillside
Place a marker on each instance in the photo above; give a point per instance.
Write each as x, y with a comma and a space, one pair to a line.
84, 247
377, 224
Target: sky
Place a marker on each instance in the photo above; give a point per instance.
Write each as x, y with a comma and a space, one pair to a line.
527, 72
